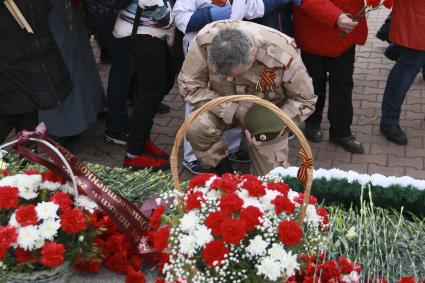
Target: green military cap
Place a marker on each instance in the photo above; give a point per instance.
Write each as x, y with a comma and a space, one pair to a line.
262, 123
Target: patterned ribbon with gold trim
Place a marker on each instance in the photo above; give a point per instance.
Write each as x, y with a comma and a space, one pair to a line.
306, 163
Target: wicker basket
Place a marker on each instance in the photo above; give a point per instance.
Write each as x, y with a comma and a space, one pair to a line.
60, 274
305, 173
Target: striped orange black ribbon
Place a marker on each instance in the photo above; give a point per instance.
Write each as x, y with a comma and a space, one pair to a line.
267, 77
306, 163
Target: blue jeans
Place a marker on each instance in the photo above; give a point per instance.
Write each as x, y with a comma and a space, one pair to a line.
399, 81
119, 80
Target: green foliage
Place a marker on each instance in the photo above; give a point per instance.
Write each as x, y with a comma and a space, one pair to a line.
383, 241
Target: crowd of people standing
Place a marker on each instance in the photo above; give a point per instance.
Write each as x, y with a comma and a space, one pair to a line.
50, 75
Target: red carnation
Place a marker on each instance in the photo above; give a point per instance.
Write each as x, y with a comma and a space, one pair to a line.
93, 265
407, 280
8, 236
62, 199
32, 172
280, 187
233, 230
135, 262
200, 180
23, 256
5, 172
227, 183
155, 220
117, 243
250, 216
26, 215
9, 197
388, 3
323, 212
134, 276
289, 232
214, 251
159, 238
194, 200
231, 203
163, 259
283, 204
330, 271
160, 280
49, 176
52, 254
73, 221
346, 265
214, 220
255, 188
300, 199
117, 262
373, 3
249, 177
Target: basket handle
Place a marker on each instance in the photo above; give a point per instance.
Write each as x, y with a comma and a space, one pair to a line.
305, 173
69, 174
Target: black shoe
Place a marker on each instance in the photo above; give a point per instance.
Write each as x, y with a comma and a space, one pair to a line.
225, 166
349, 143
116, 138
240, 157
195, 167
163, 108
394, 134
313, 132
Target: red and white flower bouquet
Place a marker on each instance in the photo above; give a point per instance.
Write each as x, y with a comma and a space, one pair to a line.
43, 223
236, 228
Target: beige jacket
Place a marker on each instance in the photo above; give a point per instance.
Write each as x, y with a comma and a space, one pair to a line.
293, 87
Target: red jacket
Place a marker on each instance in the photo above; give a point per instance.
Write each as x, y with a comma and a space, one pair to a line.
316, 31
408, 23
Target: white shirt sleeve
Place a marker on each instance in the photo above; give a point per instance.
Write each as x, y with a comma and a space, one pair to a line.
254, 9
184, 9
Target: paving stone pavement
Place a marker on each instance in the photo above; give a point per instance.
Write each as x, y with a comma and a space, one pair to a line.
371, 71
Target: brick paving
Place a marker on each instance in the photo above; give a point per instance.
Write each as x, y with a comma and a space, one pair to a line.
371, 71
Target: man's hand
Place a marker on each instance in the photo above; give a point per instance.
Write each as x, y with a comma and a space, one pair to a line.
251, 139
345, 23
220, 13
211, 157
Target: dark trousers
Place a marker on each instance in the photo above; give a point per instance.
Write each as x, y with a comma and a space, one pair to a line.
399, 81
154, 69
120, 74
340, 113
18, 122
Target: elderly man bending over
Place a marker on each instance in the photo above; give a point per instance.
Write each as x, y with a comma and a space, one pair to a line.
235, 57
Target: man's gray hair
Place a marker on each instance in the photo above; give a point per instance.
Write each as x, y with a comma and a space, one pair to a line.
230, 48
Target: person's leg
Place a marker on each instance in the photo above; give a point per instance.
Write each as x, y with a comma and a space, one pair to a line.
150, 61
119, 80
340, 113
316, 67
399, 81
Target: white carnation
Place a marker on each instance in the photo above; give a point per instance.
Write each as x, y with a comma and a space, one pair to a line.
189, 221
28, 237
276, 251
270, 268
257, 246
188, 245
86, 203
68, 188
292, 195
49, 229
202, 235
51, 186
289, 263
47, 210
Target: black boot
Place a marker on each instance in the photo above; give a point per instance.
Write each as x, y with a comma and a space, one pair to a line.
225, 166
